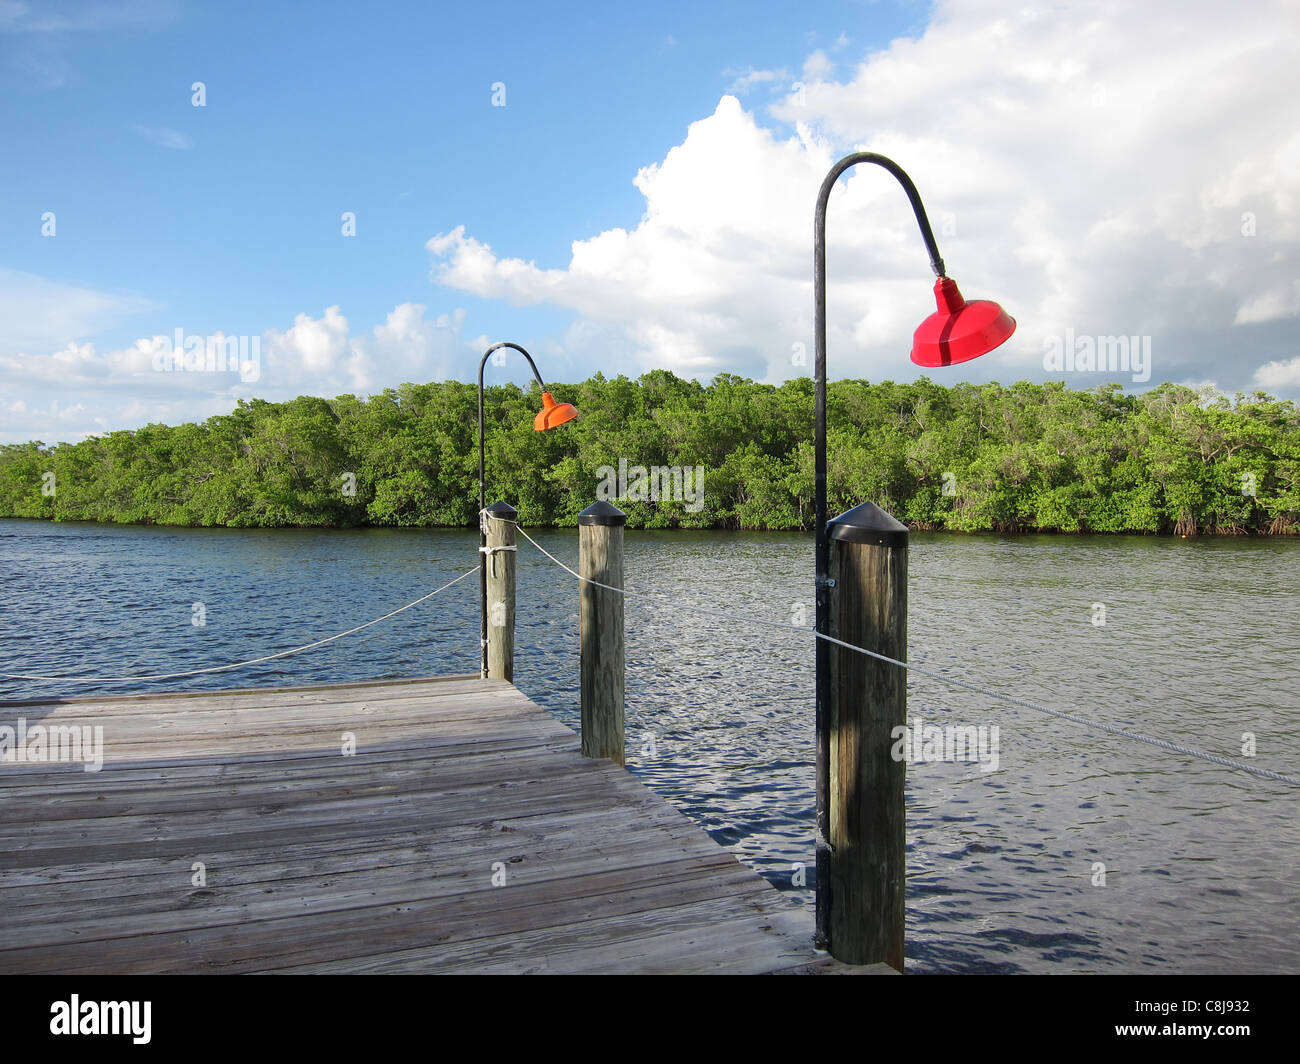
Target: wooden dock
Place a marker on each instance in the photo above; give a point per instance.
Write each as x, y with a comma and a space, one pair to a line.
383, 860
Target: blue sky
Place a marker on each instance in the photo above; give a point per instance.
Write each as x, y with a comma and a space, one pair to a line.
642, 199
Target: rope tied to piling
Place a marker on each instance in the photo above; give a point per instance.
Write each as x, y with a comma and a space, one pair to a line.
1077, 718
238, 664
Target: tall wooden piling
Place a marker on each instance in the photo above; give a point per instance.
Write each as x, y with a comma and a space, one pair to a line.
867, 701
600, 623
499, 527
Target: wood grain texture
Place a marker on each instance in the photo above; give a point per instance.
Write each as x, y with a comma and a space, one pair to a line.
500, 599
600, 625
380, 861
868, 699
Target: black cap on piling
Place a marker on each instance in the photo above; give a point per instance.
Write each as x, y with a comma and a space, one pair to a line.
868, 523
602, 513
502, 510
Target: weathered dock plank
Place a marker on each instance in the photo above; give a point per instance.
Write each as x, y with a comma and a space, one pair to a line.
465, 834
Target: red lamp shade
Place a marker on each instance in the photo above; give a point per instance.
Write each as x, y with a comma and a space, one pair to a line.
553, 413
959, 331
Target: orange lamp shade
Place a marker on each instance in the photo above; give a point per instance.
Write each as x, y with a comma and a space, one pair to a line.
553, 413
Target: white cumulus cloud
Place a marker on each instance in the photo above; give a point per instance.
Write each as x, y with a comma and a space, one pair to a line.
138, 384
1279, 376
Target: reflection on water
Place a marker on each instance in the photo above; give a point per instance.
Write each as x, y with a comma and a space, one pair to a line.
1198, 646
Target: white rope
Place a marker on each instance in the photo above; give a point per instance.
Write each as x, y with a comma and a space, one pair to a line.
1077, 718
239, 664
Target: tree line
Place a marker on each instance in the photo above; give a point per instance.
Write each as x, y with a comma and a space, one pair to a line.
968, 458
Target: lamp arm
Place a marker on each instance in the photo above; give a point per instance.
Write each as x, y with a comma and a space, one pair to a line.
914, 197
819, 315
482, 363
514, 347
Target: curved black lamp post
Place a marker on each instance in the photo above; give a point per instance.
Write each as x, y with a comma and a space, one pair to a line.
551, 415
957, 332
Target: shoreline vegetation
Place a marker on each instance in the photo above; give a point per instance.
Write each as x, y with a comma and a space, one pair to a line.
966, 458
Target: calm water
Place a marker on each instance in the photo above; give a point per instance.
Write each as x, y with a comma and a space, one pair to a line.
1199, 646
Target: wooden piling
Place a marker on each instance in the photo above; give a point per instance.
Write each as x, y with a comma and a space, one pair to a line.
867, 701
499, 526
600, 623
